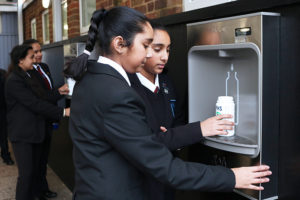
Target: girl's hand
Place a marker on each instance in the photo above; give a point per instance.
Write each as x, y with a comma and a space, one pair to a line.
249, 177
216, 125
163, 129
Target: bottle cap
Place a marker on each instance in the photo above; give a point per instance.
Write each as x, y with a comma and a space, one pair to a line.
225, 98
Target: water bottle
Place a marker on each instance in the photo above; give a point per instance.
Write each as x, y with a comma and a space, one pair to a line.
225, 105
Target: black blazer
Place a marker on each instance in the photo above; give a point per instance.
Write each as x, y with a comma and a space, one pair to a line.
114, 147
174, 138
26, 113
2, 97
51, 95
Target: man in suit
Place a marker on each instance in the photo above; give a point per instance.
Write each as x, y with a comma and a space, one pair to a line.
3, 126
42, 73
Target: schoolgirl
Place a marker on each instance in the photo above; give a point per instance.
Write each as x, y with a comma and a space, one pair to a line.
114, 148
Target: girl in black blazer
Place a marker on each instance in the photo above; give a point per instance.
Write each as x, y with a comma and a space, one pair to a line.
159, 95
27, 112
114, 149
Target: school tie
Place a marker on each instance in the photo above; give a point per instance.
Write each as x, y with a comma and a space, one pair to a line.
156, 90
44, 77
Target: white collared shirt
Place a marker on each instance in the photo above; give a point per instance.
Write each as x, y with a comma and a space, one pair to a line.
148, 84
35, 67
114, 65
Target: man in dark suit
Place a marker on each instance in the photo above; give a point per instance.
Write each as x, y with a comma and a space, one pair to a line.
3, 126
42, 72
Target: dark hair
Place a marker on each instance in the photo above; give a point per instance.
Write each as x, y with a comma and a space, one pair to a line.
17, 53
31, 41
105, 25
157, 26
20, 52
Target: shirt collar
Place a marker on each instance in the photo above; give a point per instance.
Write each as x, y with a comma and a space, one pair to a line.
114, 65
35, 66
148, 84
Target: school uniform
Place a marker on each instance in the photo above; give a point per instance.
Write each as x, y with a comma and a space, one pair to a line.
161, 110
3, 132
42, 73
26, 117
114, 148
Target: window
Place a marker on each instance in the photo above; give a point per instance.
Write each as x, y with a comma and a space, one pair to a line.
87, 7
46, 32
33, 28
196, 4
64, 21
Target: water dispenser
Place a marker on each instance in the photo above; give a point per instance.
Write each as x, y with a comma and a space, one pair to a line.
238, 57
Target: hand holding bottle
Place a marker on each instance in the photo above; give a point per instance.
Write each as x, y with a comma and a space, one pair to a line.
216, 125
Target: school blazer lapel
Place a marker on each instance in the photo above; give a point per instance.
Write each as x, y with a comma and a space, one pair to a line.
137, 85
47, 71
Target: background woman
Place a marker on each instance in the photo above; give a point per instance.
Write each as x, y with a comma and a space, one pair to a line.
27, 112
114, 149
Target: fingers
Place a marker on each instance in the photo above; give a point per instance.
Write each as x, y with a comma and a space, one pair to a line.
254, 187
221, 132
221, 128
225, 122
262, 174
220, 117
163, 129
260, 180
260, 168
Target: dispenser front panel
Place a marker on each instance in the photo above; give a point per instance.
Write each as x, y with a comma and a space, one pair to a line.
228, 70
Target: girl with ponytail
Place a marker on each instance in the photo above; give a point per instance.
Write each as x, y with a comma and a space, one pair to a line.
114, 149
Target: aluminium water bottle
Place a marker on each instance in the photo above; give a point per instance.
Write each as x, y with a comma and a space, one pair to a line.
225, 105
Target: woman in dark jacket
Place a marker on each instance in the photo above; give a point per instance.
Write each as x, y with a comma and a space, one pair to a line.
3, 126
27, 112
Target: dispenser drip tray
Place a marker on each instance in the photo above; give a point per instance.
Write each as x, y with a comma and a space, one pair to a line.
236, 144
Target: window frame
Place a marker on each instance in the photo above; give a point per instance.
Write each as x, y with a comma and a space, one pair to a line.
33, 21
62, 31
43, 27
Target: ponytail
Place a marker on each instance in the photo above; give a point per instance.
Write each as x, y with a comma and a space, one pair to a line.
105, 25
77, 67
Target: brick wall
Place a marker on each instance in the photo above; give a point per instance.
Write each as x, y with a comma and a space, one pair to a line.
151, 8
35, 10
73, 18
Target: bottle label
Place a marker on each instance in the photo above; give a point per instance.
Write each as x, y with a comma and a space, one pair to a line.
226, 108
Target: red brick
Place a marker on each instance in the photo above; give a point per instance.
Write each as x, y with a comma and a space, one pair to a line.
159, 4
135, 3
153, 15
150, 7
172, 3
142, 8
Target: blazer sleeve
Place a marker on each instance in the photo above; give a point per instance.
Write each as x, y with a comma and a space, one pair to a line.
17, 90
181, 136
126, 129
53, 96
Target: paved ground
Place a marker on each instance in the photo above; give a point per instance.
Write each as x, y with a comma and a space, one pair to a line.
8, 179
